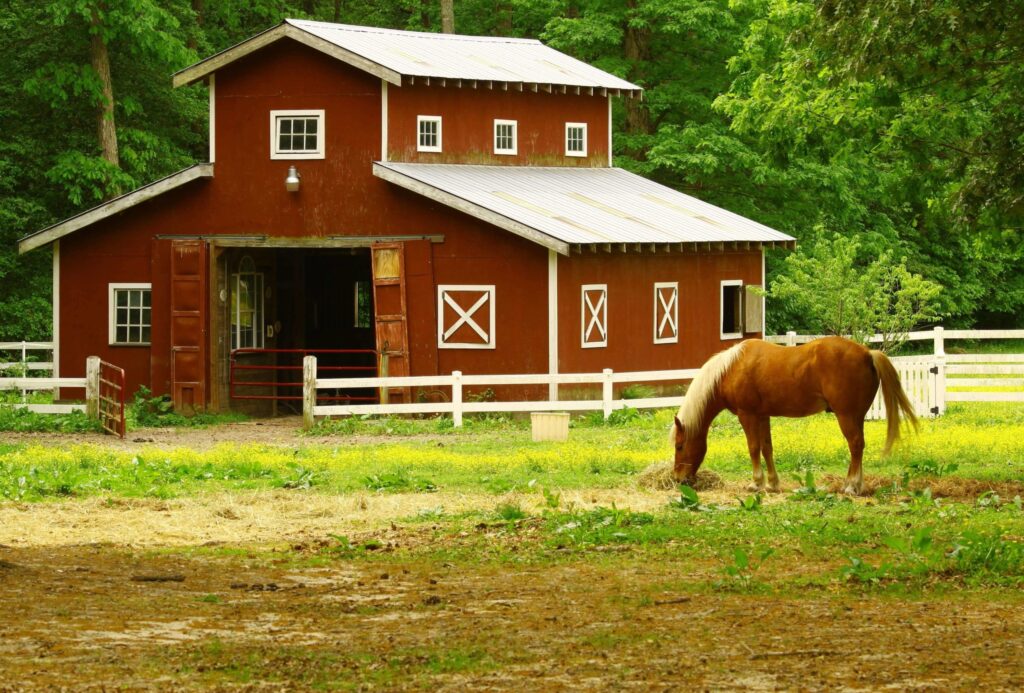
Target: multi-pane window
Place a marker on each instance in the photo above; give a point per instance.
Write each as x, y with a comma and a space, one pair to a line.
575, 139
505, 137
247, 306
428, 133
130, 313
297, 134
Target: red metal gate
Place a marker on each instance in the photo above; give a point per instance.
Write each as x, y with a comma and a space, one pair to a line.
111, 399
282, 380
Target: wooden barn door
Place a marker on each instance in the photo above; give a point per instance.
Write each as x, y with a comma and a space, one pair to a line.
388, 260
188, 324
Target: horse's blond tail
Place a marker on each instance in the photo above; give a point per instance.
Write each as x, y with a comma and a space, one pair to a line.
896, 400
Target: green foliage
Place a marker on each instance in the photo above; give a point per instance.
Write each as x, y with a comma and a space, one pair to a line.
14, 419
688, 500
596, 527
837, 291
148, 411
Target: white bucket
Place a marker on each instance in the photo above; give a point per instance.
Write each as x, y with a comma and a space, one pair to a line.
550, 425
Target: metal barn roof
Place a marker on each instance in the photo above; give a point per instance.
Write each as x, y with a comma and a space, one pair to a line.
565, 207
393, 55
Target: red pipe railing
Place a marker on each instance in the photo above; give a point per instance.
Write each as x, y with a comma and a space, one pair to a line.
333, 361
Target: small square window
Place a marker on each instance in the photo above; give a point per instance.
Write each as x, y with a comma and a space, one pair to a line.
575, 139
428, 133
130, 314
297, 134
505, 137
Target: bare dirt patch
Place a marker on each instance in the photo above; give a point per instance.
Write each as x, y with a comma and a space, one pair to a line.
75, 619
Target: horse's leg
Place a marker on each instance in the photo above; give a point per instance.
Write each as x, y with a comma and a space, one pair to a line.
752, 427
769, 454
853, 428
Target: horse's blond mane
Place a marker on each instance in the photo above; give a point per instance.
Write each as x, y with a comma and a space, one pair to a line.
703, 387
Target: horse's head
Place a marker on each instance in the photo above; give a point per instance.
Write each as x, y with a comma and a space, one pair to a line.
685, 468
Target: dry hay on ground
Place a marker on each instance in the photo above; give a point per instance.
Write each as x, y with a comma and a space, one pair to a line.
658, 477
953, 487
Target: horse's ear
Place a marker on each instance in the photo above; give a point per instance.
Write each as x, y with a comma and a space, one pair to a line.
679, 424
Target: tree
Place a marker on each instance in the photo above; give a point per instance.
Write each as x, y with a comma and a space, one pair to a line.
837, 291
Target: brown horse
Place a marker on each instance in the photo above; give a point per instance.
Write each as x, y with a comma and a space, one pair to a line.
756, 380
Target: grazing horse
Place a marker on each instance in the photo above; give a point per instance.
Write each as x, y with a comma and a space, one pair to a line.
757, 380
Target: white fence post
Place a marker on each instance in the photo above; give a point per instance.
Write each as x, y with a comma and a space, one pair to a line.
606, 392
791, 338
308, 391
940, 371
24, 371
457, 398
92, 387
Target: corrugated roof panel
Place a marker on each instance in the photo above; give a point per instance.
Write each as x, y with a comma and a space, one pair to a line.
453, 56
588, 205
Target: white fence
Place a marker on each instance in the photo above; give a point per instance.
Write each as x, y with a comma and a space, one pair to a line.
25, 382
934, 379
930, 381
458, 406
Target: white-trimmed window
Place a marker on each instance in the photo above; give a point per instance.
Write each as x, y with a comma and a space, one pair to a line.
666, 312
731, 311
465, 316
247, 316
594, 316
297, 134
129, 315
428, 133
506, 137
575, 139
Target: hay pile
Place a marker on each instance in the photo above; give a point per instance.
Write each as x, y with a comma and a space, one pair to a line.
658, 477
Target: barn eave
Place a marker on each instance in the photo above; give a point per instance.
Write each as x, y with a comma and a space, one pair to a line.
113, 207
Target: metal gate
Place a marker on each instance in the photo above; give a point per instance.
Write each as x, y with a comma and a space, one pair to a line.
111, 399
923, 379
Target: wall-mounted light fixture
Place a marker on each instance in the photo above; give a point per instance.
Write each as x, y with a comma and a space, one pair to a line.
292, 180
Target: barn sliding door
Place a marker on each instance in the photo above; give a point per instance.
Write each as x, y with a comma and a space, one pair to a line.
188, 324
390, 313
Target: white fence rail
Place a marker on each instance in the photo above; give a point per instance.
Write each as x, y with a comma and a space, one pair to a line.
15, 359
458, 406
930, 381
26, 383
933, 380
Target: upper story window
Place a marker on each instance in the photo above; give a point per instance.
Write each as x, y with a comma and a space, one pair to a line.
428, 133
129, 315
575, 139
297, 134
506, 135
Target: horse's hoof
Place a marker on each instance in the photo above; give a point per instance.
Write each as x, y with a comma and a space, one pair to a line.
774, 488
851, 490
755, 488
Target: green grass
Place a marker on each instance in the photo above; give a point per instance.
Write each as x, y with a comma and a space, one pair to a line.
982, 441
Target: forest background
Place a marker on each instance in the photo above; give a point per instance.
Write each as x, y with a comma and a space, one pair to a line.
890, 128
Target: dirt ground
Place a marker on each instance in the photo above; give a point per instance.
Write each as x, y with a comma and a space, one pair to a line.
240, 591
102, 617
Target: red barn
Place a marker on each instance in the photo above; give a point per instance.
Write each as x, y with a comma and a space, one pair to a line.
448, 200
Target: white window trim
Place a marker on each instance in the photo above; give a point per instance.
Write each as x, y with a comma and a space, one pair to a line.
721, 308
670, 314
593, 316
321, 134
576, 125
466, 316
428, 118
111, 311
515, 136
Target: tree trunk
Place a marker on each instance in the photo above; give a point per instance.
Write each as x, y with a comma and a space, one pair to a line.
637, 51
198, 7
337, 11
106, 132
448, 16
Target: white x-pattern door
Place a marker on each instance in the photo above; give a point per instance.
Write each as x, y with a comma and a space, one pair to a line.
594, 314
666, 312
465, 316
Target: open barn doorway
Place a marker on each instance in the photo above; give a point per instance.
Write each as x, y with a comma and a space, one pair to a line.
277, 305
